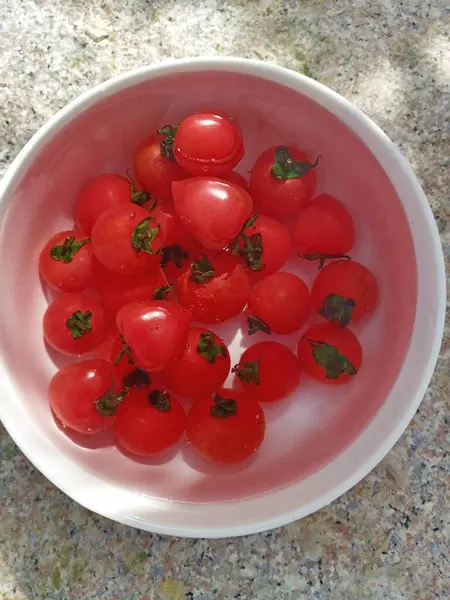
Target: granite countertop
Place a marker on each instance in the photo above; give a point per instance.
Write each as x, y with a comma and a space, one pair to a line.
386, 538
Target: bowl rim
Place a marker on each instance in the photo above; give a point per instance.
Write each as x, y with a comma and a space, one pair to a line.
280, 506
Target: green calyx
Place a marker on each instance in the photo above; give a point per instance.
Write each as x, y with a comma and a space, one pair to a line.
223, 407
322, 258
285, 167
169, 132
143, 236
139, 198
108, 404
160, 400
334, 362
137, 378
338, 309
67, 250
162, 292
174, 254
248, 372
209, 348
251, 249
256, 324
202, 270
79, 323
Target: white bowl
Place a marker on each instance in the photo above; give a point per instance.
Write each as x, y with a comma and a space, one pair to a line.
321, 441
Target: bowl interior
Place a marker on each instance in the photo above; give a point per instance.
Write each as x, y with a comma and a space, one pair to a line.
312, 427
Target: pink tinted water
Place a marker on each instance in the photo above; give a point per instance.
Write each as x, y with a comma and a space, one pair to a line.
317, 422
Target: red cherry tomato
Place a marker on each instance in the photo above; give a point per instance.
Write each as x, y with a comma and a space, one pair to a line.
264, 244
148, 422
208, 144
74, 324
213, 210
324, 229
236, 178
125, 370
329, 353
127, 239
227, 427
282, 181
344, 291
65, 263
215, 289
279, 303
268, 372
84, 396
202, 368
154, 163
100, 194
115, 290
155, 331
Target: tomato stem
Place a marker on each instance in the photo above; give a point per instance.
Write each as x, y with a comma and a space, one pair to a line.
336, 308
108, 404
137, 378
125, 350
202, 270
223, 407
209, 348
162, 292
143, 236
139, 198
160, 400
285, 167
175, 254
248, 372
166, 144
334, 362
79, 323
256, 324
322, 258
67, 250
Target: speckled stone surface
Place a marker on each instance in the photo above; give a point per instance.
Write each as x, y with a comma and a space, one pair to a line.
386, 538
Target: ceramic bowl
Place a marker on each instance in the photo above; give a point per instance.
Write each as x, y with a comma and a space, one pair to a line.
323, 439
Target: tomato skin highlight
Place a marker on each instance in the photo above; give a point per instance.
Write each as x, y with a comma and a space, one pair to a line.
142, 429
276, 245
59, 335
324, 226
343, 339
155, 172
155, 331
281, 301
74, 390
208, 144
280, 199
213, 210
192, 375
113, 237
221, 297
70, 275
230, 439
278, 372
348, 279
100, 194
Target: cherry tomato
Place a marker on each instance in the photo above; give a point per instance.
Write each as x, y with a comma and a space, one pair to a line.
344, 291
227, 427
65, 263
282, 181
202, 368
100, 194
279, 303
213, 210
155, 331
148, 422
180, 247
324, 229
208, 144
264, 244
74, 324
84, 395
236, 178
115, 290
154, 163
127, 239
215, 289
268, 372
329, 353
125, 369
